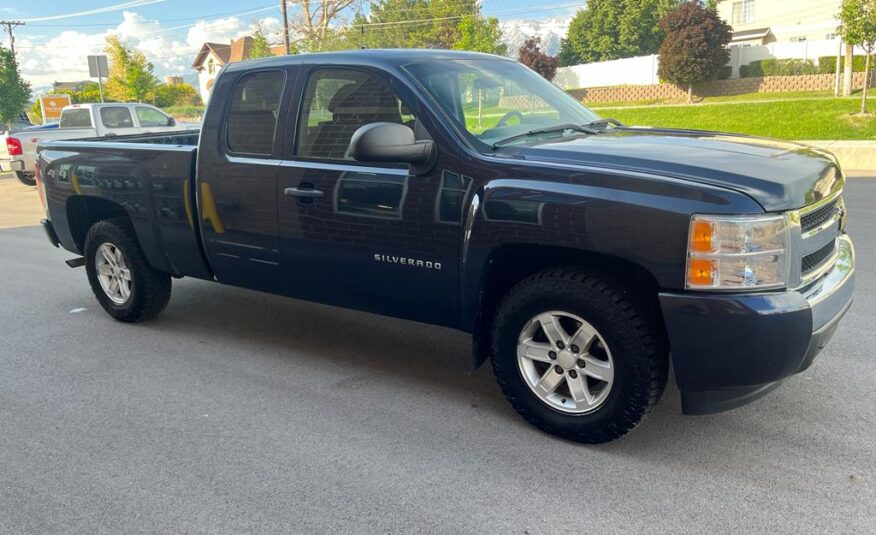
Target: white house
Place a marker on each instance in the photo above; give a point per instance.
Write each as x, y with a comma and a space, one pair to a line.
213, 56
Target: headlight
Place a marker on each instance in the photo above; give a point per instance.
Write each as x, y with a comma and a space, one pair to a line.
737, 253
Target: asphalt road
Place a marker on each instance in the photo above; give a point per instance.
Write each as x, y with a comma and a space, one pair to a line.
238, 412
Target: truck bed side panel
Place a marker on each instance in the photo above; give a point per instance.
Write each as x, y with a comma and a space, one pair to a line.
152, 184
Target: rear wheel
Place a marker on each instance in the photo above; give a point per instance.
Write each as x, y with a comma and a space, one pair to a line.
126, 286
579, 355
25, 178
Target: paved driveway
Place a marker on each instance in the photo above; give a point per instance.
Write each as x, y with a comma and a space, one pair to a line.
239, 412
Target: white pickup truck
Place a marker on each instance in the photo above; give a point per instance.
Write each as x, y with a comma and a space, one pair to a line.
18, 149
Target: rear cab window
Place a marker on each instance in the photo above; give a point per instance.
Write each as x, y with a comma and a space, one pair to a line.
116, 117
253, 108
76, 118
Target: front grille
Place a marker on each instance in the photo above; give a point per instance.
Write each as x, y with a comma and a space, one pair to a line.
815, 260
818, 217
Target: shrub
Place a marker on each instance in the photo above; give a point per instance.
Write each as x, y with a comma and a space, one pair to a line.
827, 64
185, 112
780, 67
725, 72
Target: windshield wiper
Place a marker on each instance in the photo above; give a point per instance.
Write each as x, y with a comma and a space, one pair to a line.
583, 128
605, 121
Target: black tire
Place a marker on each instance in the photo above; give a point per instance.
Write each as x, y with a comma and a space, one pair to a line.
150, 288
631, 329
26, 178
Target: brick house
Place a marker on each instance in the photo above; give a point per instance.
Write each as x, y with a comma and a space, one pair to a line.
213, 56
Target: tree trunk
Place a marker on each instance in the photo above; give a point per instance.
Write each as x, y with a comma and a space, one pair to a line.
690, 94
866, 84
847, 73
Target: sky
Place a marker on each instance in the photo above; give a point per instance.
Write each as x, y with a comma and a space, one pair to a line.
58, 36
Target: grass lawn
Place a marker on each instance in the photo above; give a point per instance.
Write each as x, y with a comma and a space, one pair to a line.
828, 118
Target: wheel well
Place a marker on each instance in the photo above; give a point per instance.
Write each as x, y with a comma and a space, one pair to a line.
510, 264
84, 211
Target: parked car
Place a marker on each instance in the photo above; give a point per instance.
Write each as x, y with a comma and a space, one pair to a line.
464, 190
18, 148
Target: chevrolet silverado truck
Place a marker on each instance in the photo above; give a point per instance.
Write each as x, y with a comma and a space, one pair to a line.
464, 190
18, 148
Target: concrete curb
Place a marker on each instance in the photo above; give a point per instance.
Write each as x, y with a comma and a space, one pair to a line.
858, 156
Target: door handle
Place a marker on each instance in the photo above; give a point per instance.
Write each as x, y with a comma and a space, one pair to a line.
303, 193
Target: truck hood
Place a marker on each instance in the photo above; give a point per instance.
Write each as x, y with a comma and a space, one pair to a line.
778, 175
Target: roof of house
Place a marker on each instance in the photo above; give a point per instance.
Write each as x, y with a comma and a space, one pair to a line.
238, 50
222, 53
748, 35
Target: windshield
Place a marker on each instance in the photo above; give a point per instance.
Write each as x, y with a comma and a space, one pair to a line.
494, 100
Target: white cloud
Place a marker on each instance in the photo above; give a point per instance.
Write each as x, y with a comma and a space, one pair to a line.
63, 56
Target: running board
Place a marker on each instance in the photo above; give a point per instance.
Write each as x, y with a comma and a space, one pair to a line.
75, 262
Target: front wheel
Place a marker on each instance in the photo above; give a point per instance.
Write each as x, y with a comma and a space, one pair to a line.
27, 179
126, 286
579, 355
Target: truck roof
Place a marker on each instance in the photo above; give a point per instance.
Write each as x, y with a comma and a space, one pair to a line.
394, 56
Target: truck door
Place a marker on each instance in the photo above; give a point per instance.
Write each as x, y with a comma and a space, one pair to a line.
237, 180
362, 235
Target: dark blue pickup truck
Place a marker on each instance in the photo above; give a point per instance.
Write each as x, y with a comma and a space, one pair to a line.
464, 190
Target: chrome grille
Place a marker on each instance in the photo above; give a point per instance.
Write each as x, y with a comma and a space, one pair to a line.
813, 261
820, 224
819, 216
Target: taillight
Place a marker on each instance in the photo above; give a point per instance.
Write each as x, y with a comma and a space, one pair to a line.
13, 146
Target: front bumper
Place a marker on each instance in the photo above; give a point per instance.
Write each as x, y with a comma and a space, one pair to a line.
8, 166
728, 350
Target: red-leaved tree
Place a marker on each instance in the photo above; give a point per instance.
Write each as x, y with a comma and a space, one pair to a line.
530, 54
695, 47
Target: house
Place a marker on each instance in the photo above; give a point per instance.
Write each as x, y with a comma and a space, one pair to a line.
761, 22
213, 56
70, 86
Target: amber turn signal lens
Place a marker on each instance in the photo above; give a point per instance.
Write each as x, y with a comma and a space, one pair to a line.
701, 272
701, 236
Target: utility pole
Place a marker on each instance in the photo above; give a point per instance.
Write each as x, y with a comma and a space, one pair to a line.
285, 25
11, 25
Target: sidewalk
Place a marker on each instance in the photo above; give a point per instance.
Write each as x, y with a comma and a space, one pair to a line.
20, 204
856, 157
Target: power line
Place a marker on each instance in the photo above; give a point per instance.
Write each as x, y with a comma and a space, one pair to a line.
97, 11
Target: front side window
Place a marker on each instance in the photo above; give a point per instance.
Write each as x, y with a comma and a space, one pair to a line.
151, 117
337, 102
492, 101
116, 117
252, 114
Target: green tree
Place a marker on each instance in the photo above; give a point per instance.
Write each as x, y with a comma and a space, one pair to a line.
613, 29
130, 78
164, 95
479, 34
695, 47
413, 24
260, 47
14, 90
858, 27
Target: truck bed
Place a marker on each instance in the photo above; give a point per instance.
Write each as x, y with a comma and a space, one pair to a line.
150, 176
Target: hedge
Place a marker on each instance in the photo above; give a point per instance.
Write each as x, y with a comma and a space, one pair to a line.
827, 64
185, 111
781, 67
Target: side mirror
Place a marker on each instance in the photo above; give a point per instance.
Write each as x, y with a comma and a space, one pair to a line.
171, 121
390, 142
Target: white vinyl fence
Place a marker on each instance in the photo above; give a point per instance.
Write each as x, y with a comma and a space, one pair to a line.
642, 70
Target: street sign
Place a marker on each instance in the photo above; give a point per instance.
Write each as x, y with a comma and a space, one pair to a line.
98, 67
51, 106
